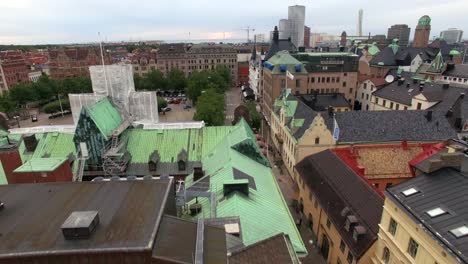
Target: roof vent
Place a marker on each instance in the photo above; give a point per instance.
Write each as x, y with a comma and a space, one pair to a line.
2, 205
358, 232
462, 95
30, 142
198, 173
445, 85
80, 225
407, 85
401, 81
241, 185
449, 113
232, 229
345, 211
351, 220
415, 81
429, 116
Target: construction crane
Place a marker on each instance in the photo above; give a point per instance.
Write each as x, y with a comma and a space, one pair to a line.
248, 29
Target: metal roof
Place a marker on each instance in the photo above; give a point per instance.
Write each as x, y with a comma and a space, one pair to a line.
129, 212
106, 116
3, 178
444, 188
176, 240
264, 212
41, 165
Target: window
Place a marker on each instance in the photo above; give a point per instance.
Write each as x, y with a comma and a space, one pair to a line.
365, 85
367, 96
436, 212
406, 108
376, 185
298, 83
419, 106
337, 79
350, 257
413, 248
409, 192
345, 74
283, 83
460, 231
386, 255
384, 102
391, 105
377, 100
362, 95
328, 79
328, 222
342, 246
344, 84
317, 140
338, 261
350, 90
312, 79
310, 196
392, 226
397, 107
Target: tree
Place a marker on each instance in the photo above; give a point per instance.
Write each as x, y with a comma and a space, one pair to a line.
224, 72
204, 80
23, 93
176, 80
254, 115
138, 81
210, 108
162, 103
154, 80
7, 105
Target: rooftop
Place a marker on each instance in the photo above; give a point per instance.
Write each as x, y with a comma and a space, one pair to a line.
106, 116
446, 189
41, 165
276, 249
337, 186
119, 204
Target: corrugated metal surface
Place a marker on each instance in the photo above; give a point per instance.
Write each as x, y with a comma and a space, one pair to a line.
106, 116
129, 213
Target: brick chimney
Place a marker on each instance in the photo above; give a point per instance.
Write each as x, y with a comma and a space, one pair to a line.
445, 160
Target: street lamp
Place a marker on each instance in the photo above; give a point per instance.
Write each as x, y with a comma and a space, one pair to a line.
17, 120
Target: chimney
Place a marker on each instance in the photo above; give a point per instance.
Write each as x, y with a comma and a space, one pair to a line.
429, 115
446, 160
401, 81
449, 113
408, 85
450, 66
2, 205
330, 111
198, 173
421, 86
30, 142
275, 34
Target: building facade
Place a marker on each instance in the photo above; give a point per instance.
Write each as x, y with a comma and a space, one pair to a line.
296, 17
197, 57
400, 32
452, 35
13, 69
74, 62
422, 32
143, 63
422, 221
306, 36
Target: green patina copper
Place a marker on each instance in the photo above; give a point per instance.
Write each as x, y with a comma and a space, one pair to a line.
424, 21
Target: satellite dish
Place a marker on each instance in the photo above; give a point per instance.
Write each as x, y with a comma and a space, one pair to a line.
389, 78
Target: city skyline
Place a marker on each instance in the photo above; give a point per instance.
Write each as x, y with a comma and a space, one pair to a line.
25, 22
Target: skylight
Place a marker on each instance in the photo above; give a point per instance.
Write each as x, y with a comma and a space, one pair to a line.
409, 192
460, 231
436, 212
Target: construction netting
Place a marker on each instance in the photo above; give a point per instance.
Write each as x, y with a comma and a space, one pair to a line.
143, 106
77, 101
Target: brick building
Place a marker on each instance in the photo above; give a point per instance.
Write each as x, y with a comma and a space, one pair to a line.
144, 62
422, 33
197, 57
13, 69
74, 62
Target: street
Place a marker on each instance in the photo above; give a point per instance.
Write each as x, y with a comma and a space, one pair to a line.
232, 100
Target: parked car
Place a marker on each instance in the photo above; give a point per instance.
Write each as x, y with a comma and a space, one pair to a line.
166, 109
34, 118
176, 101
187, 106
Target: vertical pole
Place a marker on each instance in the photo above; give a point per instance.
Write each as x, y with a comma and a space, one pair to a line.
60, 102
103, 64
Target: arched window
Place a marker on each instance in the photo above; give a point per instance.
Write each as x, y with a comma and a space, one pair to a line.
386, 255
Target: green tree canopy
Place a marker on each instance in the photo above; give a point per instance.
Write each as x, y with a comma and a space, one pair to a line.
176, 80
210, 108
204, 80
161, 103
154, 80
254, 115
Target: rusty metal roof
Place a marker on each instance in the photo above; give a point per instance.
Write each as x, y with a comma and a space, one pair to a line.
129, 212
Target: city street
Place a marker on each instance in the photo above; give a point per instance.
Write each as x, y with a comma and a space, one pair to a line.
232, 99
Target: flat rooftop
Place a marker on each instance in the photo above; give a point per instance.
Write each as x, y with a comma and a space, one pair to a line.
129, 213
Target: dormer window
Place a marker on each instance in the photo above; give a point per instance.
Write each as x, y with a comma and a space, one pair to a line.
460, 231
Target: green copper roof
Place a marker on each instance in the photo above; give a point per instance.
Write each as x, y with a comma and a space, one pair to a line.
438, 63
3, 178
41, 165
373, 49
424, 21
263, 212
3, 133
283, 58
106, 116
53, 145
168, 143
455, 53
394, 45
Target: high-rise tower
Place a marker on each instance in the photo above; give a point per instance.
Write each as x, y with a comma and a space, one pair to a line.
359, 23
296, 17
422, 32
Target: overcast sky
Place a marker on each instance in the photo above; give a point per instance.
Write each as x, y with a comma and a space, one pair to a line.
68, 21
